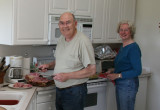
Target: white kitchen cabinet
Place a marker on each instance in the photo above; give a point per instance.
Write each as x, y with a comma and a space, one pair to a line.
46, 100
128, 10
107, 14
32, 103
113, 16
78, 7
98, 34
23, 22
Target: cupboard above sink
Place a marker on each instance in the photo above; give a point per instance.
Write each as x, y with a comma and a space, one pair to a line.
23, 22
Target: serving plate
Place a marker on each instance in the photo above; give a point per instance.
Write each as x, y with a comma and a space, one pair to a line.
11, 86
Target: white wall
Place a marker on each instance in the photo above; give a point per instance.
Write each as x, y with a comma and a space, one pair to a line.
6, 50
148, 37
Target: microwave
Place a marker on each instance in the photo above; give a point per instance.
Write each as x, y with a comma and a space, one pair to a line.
103, 65
84, 24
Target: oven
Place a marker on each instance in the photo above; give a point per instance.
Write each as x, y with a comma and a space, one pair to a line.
96, 96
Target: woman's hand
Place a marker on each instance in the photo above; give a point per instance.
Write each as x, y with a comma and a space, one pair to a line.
110, 70
113, 76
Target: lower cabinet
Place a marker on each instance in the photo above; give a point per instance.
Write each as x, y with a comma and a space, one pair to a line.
46, 99
46, 106
111, 97
32, 104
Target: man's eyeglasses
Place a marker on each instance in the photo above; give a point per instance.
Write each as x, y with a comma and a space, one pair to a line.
67, 23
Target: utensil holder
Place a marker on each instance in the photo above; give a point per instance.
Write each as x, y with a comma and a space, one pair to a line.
2, 77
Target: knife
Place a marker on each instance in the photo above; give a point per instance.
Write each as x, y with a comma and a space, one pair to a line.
46, 75
3, 59
1, 65
5, 68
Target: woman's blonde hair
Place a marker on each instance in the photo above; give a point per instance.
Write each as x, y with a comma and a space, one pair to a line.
131, 27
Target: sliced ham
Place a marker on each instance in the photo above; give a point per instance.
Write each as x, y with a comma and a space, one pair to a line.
37, 80
21, 85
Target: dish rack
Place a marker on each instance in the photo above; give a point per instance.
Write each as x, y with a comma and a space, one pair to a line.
37, 61
42, 60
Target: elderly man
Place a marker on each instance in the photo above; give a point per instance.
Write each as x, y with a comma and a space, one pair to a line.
74, 63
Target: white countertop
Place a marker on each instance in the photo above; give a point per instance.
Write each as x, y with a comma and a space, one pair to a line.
31, 91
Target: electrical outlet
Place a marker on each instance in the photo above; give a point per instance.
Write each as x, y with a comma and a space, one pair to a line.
159, 27
147, 69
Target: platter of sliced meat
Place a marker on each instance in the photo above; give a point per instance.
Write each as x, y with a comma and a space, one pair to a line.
20, 85
36, 79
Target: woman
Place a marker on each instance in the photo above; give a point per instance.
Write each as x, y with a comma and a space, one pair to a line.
127, 68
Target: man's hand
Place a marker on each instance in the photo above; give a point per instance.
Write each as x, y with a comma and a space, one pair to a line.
43, 67
61, 77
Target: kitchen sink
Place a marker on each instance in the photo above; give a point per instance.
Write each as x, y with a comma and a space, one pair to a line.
12, 100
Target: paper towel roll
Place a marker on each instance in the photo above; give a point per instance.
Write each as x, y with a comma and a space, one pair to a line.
26, 66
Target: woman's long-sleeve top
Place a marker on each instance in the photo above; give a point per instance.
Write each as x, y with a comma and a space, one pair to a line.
128, 61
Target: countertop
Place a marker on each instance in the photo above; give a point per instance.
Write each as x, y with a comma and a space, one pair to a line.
145, 72
31, 91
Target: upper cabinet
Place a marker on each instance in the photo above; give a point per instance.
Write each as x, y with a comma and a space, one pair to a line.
107, 14
23, 22
78, 7
128, 10
113, 16
99, 21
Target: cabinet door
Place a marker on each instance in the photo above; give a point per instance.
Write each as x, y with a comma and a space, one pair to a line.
113, 16
32, 104
82, 7
99, 21
128, 10
59, 6
117, 11
46, 106
111, 97
45, 96
78, 7
30, 22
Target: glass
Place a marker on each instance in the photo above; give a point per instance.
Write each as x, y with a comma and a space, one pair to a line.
67, 23
125, 30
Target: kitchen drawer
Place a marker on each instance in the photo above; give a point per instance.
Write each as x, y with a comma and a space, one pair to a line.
46, 106
46, 96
